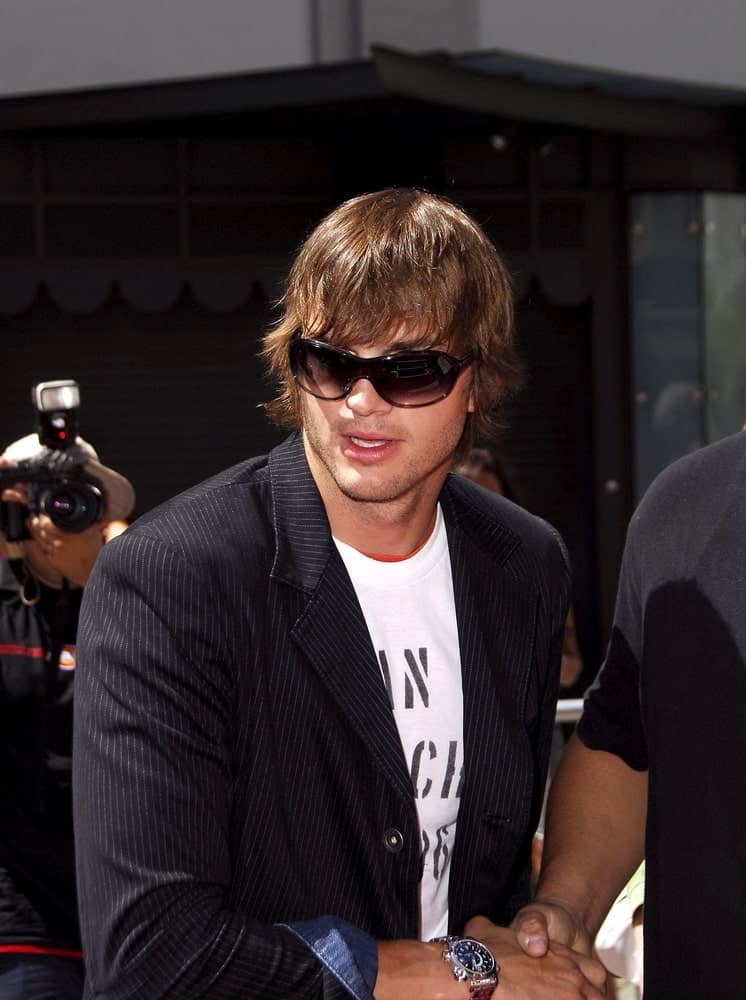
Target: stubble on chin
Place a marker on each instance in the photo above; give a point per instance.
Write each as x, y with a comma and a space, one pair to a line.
403, 481
333, 472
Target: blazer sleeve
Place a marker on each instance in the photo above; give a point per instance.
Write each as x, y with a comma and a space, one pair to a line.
152, 794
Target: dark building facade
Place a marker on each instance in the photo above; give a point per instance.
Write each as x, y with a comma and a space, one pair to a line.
145, 234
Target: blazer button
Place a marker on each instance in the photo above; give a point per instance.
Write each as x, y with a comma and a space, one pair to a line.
393, 840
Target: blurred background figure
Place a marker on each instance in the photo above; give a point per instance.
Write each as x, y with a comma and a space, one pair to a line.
572, 661
482, 466
43, 570
116, 527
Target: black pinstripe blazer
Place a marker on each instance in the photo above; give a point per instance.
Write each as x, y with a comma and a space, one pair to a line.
236, 760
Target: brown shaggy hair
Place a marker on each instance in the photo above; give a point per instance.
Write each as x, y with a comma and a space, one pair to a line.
392, 259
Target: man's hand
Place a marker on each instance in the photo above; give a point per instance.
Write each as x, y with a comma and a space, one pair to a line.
539, 924
559, 973
415, 970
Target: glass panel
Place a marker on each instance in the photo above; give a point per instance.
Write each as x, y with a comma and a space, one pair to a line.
724, 284
665, 311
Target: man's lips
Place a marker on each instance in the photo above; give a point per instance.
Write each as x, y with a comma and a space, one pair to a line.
367, 445
368, 442
367, 436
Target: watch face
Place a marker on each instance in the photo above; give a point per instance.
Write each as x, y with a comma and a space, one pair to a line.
474, 957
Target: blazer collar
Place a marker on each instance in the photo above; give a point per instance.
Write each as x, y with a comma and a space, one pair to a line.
302, 535
465, 512
497, 602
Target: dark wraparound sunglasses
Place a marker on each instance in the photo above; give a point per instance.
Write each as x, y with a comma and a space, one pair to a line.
405, 378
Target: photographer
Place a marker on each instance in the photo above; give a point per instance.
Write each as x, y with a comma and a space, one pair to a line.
42, 573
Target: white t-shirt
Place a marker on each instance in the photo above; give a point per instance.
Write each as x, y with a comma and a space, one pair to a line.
411, 617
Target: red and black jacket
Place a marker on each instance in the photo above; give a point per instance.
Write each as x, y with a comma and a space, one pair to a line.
38, 906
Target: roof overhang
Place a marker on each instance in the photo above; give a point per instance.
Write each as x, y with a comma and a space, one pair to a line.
195, 98
532, 90
493, 84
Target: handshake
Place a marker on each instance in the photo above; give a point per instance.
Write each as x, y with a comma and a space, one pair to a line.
543, 955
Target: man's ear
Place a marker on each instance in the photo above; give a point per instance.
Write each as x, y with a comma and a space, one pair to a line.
471, 402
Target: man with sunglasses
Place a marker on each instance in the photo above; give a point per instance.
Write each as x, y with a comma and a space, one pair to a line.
317, 691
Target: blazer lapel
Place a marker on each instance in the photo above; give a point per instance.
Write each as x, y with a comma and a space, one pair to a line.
330, 632
496, 616
334, 637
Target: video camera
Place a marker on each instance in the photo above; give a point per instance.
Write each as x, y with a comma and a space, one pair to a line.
57, 484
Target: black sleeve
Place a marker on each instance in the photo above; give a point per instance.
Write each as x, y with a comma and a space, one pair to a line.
612, 717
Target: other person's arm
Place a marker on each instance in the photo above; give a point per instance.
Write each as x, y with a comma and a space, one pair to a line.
596, 813
594, 841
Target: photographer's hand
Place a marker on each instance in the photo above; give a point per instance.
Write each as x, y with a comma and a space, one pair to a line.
16, 493
70, 554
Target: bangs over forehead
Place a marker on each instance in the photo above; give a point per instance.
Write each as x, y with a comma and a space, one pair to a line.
393, 264
398, 266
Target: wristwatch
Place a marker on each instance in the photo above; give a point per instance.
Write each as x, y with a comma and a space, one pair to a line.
472, 962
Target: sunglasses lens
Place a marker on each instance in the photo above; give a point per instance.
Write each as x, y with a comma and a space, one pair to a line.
416, 378
413, 379
319, 370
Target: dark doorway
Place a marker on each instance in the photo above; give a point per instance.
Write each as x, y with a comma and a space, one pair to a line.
548, 443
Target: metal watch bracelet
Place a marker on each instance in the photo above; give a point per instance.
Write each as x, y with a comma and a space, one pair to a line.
479, 989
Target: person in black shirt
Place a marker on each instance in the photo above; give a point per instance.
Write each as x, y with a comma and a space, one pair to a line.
41, 584
655, 769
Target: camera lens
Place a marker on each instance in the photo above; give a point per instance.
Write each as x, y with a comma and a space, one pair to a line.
72, 506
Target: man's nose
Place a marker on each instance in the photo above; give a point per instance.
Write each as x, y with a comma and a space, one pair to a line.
363, 398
